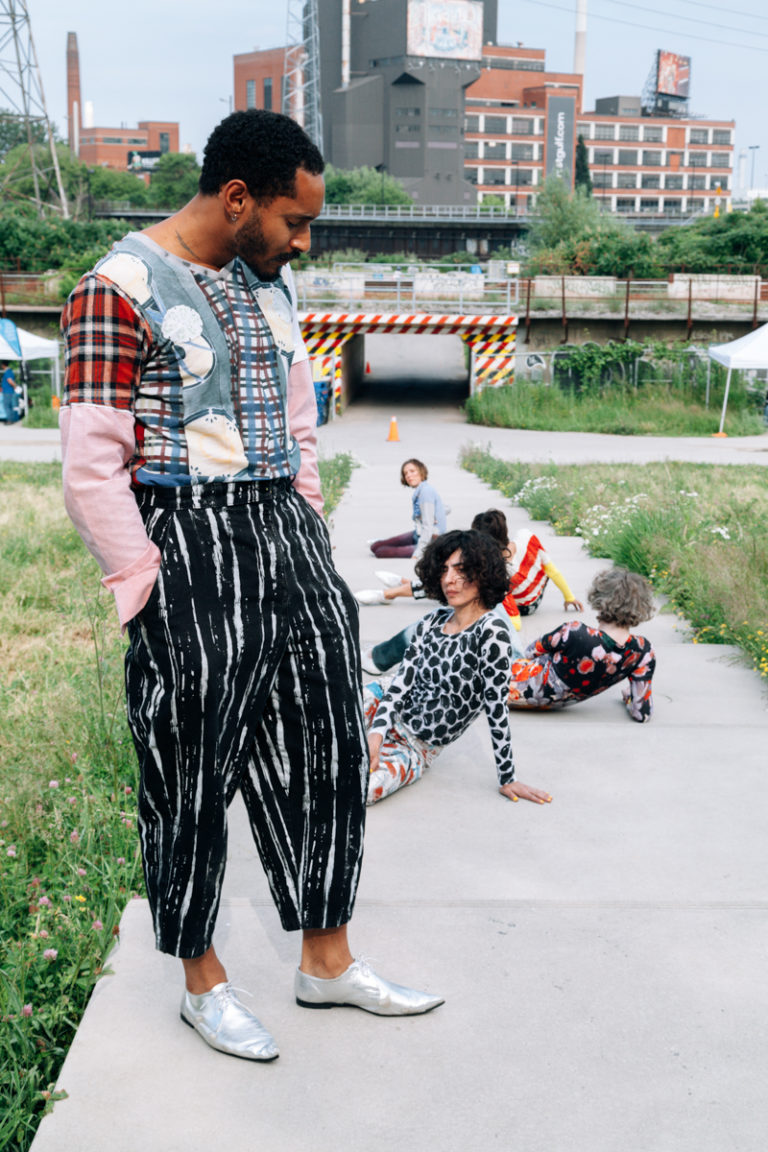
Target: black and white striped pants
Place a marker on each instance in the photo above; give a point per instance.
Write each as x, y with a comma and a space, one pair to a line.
243, 672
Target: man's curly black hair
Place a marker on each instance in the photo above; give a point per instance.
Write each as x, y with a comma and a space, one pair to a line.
481, 560
263, 149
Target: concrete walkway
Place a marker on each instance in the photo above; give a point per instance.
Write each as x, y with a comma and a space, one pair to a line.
602, 958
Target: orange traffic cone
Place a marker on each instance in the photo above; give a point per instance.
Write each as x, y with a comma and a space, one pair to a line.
367, 367
393, 434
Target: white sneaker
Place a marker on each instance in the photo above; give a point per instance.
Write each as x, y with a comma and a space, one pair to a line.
371, 596
389, 579
367, 664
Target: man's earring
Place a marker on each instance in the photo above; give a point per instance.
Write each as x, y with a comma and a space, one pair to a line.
233, 217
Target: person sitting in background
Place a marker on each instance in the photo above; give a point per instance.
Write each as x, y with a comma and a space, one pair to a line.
528, 564
428, 516
575, 661
456, 667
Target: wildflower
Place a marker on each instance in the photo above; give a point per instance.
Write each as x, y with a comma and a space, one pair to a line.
73, 757
80, 899
121, 859
44, 902
26, 1010
53, 783
81, 872
66, 898
128, 789
11, 851
50, 954
97, 925
74, 837
43, 934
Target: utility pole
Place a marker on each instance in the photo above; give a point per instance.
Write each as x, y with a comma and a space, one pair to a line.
21, 93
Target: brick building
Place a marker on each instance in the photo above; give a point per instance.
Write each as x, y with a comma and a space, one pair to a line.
124, 149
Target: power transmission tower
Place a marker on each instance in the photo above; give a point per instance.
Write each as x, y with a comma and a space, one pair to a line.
301, 95
22, 100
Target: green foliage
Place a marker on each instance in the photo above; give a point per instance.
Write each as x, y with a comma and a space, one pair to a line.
736, 240
608, 388
335, 474
572, 236
695, 530
363, 186
38, 245
582, 178
174, 180
107, 184
13, 131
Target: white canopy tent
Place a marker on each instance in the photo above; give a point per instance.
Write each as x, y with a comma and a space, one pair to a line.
749, 351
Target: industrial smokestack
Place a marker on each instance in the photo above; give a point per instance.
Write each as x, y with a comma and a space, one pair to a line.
580, 41
345, 38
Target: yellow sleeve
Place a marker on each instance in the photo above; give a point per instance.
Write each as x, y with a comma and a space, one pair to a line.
558, 580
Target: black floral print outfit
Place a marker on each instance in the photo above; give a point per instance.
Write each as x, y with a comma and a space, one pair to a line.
575, 662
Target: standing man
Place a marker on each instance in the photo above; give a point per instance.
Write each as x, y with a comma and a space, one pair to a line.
190, 472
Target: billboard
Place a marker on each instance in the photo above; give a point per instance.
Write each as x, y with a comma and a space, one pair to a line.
561, 123
673, 75
449, 29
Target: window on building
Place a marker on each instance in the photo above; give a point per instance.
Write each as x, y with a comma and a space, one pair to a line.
626, 180
495, 150
496, 124
650, 180
721, 136
583, 130
409, 112
135, 140
605, 132
471, 150
407, 128
470, 174
629, 132
602, 179
653, 134
267, 94
112, 140
522, 176
472, 124
628, 157
523, 125
651, 159
522, 151
698, 136
602, 155
250, 93
625, 203
165, 142
697, 159
697, 183
718, 182
721, 159
494, 175
649, 203
673, 181
673, 207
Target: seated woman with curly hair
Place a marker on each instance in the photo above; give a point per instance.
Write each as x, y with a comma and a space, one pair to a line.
456, 666
575, 661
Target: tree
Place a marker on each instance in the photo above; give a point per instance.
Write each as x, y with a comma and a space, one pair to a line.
107, 184
738, 240
562, 214
363, 186
582, 178
174, 180
13, 131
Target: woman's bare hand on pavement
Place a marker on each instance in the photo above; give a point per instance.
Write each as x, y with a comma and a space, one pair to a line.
516, 791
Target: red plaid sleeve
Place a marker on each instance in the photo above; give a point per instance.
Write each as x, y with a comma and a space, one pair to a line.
106, 344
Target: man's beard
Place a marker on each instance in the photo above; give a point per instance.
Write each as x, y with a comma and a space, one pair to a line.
252, 248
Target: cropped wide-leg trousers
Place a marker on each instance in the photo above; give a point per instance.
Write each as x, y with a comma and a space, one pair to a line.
243, 672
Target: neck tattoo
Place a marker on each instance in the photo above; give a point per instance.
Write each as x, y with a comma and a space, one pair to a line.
187, 248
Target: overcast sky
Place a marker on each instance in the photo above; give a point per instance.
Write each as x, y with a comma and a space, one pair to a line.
172, 59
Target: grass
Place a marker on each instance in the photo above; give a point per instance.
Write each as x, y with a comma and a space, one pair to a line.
69, 853
651, 410
697, 531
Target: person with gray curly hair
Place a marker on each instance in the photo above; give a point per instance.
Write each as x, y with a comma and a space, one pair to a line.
576, 661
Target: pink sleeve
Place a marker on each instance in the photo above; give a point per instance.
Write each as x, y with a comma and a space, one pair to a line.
97, 442
302, 421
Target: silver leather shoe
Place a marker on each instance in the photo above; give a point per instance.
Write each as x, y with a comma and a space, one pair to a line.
360, 987
227, 1025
